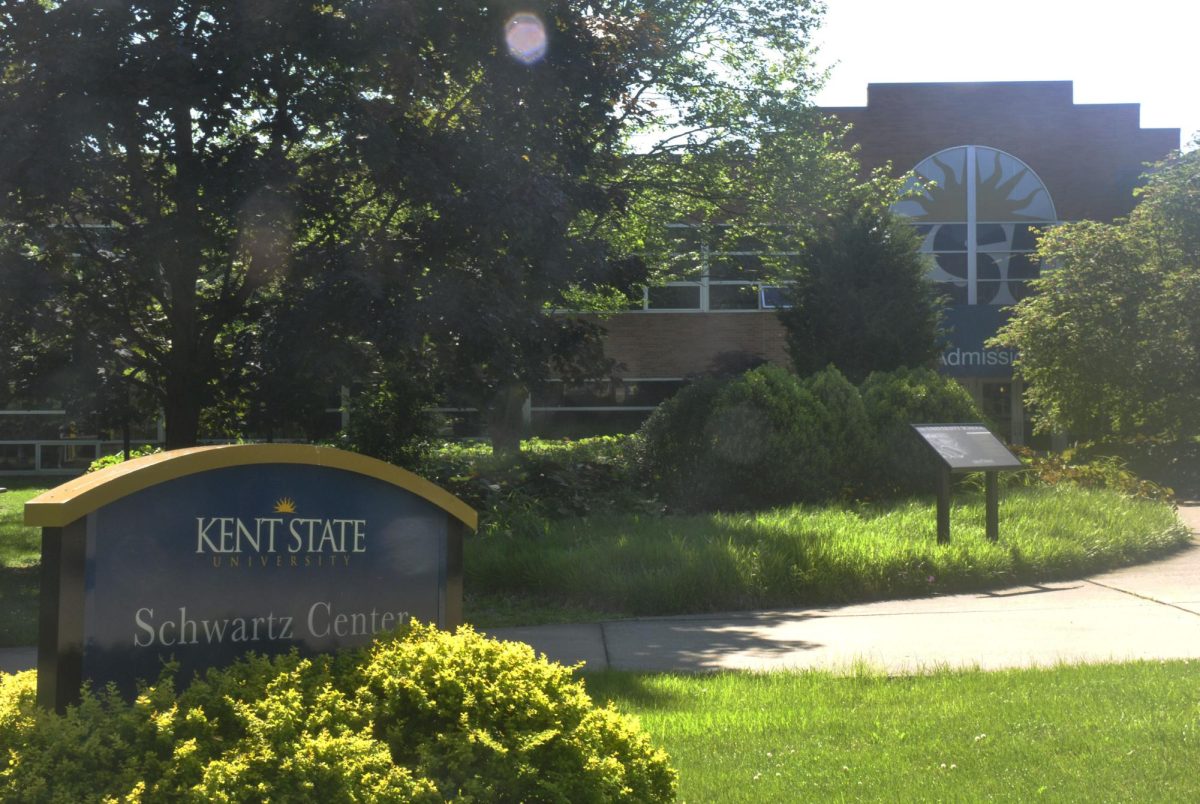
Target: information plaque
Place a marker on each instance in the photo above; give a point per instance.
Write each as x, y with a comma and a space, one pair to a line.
968, 448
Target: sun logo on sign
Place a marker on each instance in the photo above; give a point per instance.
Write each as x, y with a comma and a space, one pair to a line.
285, 505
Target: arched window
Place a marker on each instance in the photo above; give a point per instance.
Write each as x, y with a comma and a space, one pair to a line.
977, 216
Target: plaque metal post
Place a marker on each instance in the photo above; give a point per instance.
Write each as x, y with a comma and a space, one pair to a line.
991, 506
943, 506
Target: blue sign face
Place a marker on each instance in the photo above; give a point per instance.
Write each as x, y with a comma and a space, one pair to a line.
263, 558
965, 355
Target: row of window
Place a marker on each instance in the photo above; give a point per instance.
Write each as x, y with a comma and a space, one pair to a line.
977, 210
708, 294
1004, 265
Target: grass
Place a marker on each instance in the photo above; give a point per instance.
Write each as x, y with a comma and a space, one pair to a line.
20, 554
643, 565
613, 566
1126, 732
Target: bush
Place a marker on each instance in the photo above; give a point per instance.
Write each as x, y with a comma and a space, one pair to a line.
757, 440
767, 438
390, 420
897, 399
1096, 472
546, 479
673, 439
119, 457
426, 716
864, 301
849, 434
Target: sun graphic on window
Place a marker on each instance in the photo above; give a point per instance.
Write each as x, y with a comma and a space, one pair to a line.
285, 505
1002, 188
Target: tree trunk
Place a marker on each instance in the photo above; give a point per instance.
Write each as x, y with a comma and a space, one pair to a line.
182, 412
506, 419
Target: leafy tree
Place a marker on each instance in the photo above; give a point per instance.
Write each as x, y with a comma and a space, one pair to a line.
217, 196
1109, 344
175, 169
861, 299
734, 138
154, 155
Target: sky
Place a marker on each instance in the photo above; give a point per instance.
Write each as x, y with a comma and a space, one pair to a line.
1113, 52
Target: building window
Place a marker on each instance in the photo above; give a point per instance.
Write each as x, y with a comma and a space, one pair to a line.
559, 409
978, 215
723, 272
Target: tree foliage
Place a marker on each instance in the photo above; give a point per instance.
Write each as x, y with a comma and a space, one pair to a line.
733, 137
862, 300
236, 207
181, 177
1109, 344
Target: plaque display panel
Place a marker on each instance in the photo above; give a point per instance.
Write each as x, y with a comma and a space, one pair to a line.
967, 447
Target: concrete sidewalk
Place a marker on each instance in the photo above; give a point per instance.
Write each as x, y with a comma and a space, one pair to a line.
1151, 611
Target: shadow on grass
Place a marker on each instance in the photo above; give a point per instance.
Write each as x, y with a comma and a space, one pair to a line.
19, 605
638, 690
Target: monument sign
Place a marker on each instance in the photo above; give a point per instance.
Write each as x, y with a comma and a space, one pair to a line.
200, 555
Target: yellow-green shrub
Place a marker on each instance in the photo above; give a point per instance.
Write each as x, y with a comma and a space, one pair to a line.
424, 716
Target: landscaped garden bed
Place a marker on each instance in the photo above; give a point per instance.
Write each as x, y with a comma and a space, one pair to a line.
570, 533
637, 565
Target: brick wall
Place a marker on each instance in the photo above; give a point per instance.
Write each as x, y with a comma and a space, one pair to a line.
682, 344
1088, 155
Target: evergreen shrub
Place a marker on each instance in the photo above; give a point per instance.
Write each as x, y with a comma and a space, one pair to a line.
423, 716
547, 479
115, 458
894, 400
673, 446
849, 435
756, 440
768, 438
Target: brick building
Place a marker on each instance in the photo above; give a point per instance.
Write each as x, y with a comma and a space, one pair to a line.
1006, 158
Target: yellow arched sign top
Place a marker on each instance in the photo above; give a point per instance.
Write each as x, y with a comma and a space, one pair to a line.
63, 505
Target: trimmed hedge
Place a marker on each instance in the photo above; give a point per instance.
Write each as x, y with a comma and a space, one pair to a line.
894, 401
758, 439
424, 716
768, 438
849, 434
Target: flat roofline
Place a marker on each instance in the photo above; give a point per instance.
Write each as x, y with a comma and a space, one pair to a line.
1064, 90
1052, 82
1051, 86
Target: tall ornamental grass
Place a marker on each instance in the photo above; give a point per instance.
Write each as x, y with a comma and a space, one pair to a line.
642, 565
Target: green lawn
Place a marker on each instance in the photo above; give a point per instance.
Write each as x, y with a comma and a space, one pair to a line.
643, 565
1088, 733
20, 554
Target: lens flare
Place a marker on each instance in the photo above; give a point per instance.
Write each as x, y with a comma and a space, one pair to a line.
526, 38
